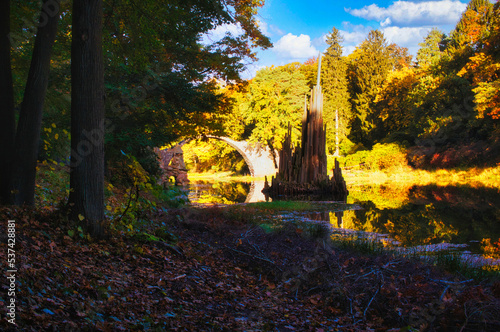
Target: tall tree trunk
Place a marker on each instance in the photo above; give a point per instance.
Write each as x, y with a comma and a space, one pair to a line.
30, 118
87, 115
7, 118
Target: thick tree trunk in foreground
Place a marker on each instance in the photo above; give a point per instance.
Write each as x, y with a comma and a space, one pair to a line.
87, 115
30, 119
7, 118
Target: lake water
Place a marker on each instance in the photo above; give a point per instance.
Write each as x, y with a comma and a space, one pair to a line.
408, 216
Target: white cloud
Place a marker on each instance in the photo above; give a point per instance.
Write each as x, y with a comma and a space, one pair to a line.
406, 36
220, 31
346, 50
264, 27
408, 13
295, 47
275, 30
354, 34
386, 22
402, 36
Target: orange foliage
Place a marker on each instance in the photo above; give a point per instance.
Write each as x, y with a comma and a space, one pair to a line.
491, 250
474, 23
484, 68
311, 61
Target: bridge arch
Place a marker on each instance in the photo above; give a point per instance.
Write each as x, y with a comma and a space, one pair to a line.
259, 159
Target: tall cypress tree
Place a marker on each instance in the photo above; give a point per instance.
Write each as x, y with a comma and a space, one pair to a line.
370, 63
430, 49
335, 88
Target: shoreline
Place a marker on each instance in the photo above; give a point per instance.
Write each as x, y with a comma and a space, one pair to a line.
484, 177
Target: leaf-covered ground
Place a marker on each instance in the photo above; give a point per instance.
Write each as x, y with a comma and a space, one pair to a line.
227, 275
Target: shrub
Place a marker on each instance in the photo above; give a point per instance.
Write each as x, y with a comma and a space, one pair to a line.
381, 157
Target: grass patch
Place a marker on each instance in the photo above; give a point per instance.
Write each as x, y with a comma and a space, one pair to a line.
358, 242
454, 262
298, 206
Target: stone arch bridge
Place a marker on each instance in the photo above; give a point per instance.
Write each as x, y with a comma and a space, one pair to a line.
259, 159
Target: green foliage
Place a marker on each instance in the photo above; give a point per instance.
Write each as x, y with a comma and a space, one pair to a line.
52, 186
158, 80
430, 49
55, 143
159, 70
275, 99
335, 86
369, 65
167, 108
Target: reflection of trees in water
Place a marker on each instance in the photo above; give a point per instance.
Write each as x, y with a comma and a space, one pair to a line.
220, 192
432, 214
393, 195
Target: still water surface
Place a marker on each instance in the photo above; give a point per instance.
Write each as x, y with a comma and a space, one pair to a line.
406, 215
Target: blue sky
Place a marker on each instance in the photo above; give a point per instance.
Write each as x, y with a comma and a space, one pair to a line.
298, 28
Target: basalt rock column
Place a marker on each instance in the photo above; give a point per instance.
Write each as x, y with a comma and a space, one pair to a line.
303, 170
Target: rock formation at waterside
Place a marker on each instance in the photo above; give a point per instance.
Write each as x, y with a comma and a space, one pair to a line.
302, 170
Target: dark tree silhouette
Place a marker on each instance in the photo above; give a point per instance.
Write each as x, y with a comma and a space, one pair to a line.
26, 144
7, 119
87, 115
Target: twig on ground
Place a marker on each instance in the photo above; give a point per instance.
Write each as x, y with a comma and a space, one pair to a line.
371, 300
444, 293
446, 282
257, 257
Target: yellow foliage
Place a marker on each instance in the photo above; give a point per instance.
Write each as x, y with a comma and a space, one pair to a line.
491, 250
487, 99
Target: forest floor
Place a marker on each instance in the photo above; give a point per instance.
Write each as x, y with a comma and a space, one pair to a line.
202, 271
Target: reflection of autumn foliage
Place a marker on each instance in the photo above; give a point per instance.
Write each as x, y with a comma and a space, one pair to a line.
491, 250
221, 192
429, 215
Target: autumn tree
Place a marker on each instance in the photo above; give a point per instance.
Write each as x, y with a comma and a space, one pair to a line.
484, 69
470, 27
335, 88
400, 56
310, 70
395, 105
472, 23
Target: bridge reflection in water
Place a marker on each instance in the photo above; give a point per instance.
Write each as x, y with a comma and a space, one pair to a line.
255, 194
228, 192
